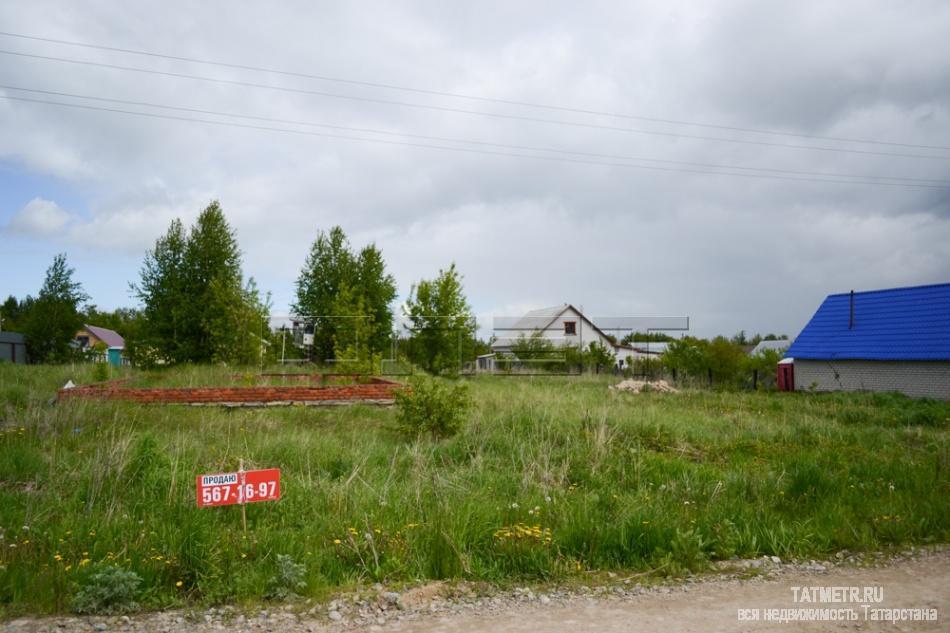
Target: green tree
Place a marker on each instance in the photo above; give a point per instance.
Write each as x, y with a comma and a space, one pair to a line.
329, 268
197, 307
352, 342
377, 290
442, 323
645, 337
162, 289
333, 283
55, 317
13, 313
214, 284
686, 355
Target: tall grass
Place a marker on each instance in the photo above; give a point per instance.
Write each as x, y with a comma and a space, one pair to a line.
549, 477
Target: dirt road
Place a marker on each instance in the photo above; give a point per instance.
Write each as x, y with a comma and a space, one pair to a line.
916, 585
715, 606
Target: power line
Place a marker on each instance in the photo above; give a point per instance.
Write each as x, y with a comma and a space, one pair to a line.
497, 115
154, 115
457, 95
468, 141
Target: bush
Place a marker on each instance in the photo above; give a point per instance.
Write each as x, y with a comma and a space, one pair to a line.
288, 580
110, 590
431, 406
100, 372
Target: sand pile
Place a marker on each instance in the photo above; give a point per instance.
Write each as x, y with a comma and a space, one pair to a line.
636, 386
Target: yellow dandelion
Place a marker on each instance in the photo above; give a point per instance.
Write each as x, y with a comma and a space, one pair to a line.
83, 562
58, 557
337, 541
179, 583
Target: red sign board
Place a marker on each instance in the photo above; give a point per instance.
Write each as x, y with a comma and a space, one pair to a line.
243, 486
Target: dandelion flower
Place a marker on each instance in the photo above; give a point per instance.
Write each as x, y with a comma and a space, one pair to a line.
179, 583
337, 541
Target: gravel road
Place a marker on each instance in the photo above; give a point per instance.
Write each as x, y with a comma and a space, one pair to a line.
918, 580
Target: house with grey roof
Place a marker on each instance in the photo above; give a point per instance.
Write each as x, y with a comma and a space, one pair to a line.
567, 326
13, 348
779, 346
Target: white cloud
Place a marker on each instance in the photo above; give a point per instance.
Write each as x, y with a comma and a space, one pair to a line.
734, 253
39, 218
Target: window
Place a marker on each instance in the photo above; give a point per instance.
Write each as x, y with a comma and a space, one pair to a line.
570, 328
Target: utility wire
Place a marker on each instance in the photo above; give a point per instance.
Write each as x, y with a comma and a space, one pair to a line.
467, 141
457, 95
154, 115
248, 84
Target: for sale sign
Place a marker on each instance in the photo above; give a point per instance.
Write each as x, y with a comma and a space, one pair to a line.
244, 486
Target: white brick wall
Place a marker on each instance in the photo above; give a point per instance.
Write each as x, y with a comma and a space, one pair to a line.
917, 379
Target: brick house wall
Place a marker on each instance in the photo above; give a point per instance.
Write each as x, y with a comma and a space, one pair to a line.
921, 379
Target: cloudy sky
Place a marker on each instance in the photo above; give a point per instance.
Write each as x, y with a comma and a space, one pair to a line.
730, 161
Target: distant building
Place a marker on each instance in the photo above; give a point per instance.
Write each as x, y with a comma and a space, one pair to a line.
13, 348
91, 336
881, 340
779, 346
564, 326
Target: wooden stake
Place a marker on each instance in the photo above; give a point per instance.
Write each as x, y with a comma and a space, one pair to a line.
243, 501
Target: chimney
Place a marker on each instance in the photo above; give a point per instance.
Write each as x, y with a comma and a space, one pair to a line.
851, 317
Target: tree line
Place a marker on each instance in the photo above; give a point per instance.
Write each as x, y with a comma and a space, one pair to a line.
195, 305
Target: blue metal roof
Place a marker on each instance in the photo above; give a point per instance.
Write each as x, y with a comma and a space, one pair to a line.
896, 324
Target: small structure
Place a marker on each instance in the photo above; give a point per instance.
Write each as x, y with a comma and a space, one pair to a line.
91, 336
881, 340
561, 326
485, 362
566, 326
779, 346
13, 348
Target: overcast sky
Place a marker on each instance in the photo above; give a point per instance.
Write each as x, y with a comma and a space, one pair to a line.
732, 252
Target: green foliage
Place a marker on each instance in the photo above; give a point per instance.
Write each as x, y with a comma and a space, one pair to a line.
108, 590
353, 344
600, 356
667, 485
646, 337
289, 579
721, 359
54, 317
335, 282
432, 407
163, 290
13, 313
443, 325
765, 364
101, 372
197, 307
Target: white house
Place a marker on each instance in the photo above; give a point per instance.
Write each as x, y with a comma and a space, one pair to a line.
564, 326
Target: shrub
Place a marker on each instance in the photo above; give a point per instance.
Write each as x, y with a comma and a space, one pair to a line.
288, 580
107, 591
100, 372
431, 406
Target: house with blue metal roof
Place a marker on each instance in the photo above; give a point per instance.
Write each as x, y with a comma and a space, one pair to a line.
881, 340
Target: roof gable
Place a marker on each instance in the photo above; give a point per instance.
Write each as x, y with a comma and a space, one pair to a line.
107, 336
895, 324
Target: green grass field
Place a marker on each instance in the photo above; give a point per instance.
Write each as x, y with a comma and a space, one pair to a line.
550, 478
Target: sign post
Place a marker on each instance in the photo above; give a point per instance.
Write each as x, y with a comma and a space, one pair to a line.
241, 488
243, 505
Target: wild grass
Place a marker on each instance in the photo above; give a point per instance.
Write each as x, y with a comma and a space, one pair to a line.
548, 478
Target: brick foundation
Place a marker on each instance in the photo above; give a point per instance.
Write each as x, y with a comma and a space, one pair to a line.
378, 391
